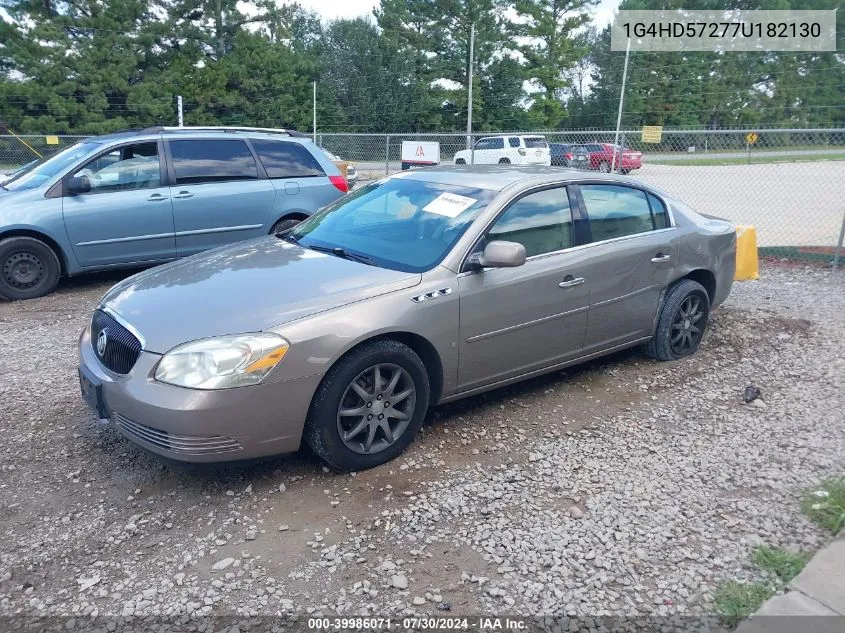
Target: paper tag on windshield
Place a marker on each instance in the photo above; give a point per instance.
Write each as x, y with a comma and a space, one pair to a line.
449, 204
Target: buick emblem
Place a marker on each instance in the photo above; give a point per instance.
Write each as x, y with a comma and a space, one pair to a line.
102, 341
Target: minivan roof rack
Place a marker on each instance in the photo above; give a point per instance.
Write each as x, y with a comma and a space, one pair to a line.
222, 128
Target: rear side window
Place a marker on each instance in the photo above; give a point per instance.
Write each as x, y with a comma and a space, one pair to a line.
513, 142
658, 210
616, 211
286, 160
197, 161
535, 141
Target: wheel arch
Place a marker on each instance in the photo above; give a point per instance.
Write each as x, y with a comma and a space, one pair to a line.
294, 214
420, 345
706, 278
43, 237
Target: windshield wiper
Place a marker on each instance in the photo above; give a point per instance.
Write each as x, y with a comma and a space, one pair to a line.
342, 252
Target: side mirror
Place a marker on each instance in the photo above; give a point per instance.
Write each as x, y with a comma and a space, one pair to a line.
500, 254
77, 184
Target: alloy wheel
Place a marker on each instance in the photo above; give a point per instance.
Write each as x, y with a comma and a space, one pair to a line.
686, 327
376, 408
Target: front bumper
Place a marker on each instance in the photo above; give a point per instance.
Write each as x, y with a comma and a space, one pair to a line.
201, 426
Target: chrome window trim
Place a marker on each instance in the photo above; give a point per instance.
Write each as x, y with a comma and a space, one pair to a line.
576, 248
132, 329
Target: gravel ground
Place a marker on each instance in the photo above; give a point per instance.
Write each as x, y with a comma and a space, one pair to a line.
624, 487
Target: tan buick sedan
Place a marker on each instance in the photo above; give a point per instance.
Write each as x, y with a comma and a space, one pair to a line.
421, 288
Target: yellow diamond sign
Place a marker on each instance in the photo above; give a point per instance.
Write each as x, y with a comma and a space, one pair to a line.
752, 138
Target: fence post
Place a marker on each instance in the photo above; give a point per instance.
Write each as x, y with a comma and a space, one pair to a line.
387, 154
839, 244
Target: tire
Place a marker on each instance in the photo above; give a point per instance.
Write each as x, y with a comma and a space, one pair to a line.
604, 167
625, 172
685, 296
336, 393
460, 161
285, 224
504, 161
28, 268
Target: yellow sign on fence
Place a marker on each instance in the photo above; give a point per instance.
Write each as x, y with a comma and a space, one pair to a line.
52, 140
652, 133
752, 137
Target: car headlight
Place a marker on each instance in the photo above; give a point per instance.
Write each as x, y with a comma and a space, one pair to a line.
222, 363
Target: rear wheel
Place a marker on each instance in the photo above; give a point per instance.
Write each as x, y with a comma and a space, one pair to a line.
28, 268
604, 167
369, 406
683, 319
504, 161
625, 172
460, 161
285, 224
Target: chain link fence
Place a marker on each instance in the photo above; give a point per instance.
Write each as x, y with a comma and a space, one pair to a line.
788, 183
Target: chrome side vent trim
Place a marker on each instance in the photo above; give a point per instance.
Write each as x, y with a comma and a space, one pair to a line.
434, 294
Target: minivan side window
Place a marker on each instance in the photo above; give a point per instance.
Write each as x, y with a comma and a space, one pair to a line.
282, 159
540, 221
198, 161
616, 211
124, 168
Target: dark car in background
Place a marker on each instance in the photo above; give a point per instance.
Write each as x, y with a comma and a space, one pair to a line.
566, 155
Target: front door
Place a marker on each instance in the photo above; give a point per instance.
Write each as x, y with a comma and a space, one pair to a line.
631, 262
488, 150
516, 320
219, 196
127, 216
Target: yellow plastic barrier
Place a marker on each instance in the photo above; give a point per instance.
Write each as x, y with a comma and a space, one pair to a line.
747, 264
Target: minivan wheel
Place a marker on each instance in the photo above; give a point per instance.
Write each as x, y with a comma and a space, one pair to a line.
28, 268
683, 319
369, 406
285, 224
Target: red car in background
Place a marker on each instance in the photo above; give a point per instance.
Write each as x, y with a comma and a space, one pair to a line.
599, 156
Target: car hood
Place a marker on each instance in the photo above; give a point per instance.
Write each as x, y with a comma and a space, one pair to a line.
247, 287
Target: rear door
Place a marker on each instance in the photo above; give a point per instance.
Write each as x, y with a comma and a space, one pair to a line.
126, 217
632, 253
220, 193
301, 183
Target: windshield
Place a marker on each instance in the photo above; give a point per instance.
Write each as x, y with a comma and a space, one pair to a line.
398, 223
50, 167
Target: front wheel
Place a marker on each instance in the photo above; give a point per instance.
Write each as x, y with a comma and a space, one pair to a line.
604, 167
504, 161
369, 406
28, 268
683, 319
460, 161
625, 172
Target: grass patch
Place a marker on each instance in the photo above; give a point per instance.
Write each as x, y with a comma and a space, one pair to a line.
735, 601
755, 159
782, 563
825, 504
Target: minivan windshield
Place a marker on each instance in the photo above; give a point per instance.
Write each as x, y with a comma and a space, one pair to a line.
50, 167
399, 223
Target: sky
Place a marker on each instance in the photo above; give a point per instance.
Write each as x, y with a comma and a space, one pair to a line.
329, 9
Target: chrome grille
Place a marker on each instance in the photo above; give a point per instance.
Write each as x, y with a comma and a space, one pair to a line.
182, 444
122, 348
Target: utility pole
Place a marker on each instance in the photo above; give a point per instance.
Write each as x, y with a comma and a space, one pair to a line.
315, 113
621, 100
179, 108
470, 144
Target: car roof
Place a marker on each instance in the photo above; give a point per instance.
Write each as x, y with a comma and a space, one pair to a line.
200, 131
499, 177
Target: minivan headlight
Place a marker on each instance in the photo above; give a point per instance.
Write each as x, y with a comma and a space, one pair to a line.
223, 362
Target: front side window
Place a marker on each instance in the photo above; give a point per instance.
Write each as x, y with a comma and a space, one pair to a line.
616, 211
541, 222
124, 168
282, 159
48, 168
199, 161
399, 223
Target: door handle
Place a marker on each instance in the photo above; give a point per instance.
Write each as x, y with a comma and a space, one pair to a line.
184, 194
156, 197
569, 282
660, 257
